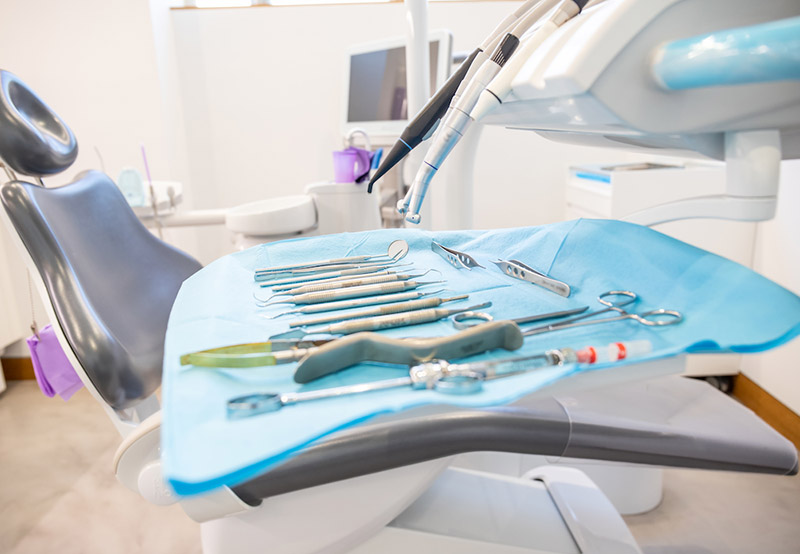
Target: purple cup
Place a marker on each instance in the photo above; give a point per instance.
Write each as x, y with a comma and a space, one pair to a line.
350, 165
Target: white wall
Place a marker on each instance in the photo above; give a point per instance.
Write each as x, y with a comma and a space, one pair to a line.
262, 105
777, 257
93, 62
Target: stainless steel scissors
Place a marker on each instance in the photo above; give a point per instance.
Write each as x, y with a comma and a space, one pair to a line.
614, 300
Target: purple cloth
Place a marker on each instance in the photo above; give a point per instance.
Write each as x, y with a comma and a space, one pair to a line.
53, 371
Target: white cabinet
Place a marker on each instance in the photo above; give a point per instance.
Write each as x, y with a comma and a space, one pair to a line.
616, 191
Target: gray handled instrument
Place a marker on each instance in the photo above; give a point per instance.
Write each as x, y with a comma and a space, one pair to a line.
362, 347
352, 292
317, 287
293, 285
291, 282
392, 321
398, 307
355, 303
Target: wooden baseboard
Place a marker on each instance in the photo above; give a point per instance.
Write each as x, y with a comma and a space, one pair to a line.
17, 369
768, 408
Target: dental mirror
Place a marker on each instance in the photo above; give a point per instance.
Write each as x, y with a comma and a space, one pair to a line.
398, 249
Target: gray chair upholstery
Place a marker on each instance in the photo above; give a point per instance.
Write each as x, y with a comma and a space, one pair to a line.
110, 281
33, 139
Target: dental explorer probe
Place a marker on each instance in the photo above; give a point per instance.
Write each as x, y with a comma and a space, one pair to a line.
454, 127
353, 292
424, 123
395, 308
295, 284
319, 287
322, 269
355, 303
397, 250
391, 321
330, 275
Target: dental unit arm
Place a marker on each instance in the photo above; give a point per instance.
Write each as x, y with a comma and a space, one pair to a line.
425, 122
661, 77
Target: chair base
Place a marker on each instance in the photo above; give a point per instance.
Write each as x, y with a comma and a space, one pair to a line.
552, 510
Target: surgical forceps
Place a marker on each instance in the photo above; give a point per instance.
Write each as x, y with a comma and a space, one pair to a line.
438, 375
614, 300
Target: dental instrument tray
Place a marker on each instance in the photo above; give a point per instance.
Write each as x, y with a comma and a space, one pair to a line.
725, 307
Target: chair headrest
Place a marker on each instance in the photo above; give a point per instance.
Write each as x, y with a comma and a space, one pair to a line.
33, 139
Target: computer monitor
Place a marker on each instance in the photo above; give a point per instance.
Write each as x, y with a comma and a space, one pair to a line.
375, 83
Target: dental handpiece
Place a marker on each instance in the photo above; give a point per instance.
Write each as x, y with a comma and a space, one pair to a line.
457, 120
354, 292
355, 303
498, 89
398, 307
461, 116
425, 122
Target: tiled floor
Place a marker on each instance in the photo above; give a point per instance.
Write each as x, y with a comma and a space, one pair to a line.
58, 494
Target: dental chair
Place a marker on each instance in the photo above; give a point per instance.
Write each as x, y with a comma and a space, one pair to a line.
386, 485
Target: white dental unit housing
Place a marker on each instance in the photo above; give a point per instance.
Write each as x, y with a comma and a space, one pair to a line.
595, 81
385, 486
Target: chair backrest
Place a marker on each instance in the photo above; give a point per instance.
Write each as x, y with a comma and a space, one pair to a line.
33, 139
109, 281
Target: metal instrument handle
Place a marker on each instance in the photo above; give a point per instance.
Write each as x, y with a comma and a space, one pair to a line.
334, 261
318, 287
463, 320
354, 292
654, 318
519, 270
264, 282
361, 347
289, 286
387, 321
325, 268
420, 304
673, 318
356, 302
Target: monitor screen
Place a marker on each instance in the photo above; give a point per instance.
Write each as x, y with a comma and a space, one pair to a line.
376, 83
